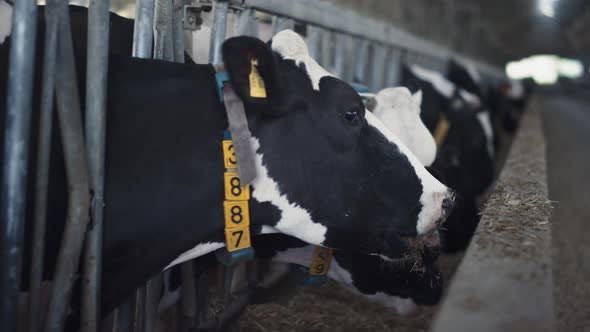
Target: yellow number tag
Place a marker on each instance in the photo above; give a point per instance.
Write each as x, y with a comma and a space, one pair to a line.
257, 88
442, 129
321, 261
233, 188
237, 238
236, 214
229, 154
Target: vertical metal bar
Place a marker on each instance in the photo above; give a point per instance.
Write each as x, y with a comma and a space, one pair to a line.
16, 146
70, 120
393, 68
139, 307
327, 50
218, 31
361, 61
163, 30
280, 23
42, 176
343, 57
188, 295
177, 35
247, 23
378, 67
96, 92
143, 29
153, 290
339, 56
314, 35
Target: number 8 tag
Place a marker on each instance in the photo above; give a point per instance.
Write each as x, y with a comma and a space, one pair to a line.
233, 188
236, 213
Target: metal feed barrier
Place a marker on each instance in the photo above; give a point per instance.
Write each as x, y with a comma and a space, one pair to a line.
356, 48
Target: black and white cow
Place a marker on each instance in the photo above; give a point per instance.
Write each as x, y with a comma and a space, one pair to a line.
399, 285
465, 159
329, 173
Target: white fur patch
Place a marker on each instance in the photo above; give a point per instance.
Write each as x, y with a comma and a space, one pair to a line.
5, 20
433, 192
486, 123
295, 220
473, 72
400, 112
470, 98
291, 46
438, 81
198, 251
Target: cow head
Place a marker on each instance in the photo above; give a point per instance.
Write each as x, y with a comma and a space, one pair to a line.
338, 176
399, 110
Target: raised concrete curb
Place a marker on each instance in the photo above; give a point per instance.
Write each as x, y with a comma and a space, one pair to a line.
504, 283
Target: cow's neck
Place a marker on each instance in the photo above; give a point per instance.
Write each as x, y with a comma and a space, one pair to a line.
164, 189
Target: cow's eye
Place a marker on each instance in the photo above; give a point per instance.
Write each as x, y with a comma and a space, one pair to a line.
351, 117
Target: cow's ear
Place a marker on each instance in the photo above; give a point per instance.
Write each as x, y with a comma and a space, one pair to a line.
417, 97
252, 69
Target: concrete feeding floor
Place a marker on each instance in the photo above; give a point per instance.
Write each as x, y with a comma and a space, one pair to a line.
567, 131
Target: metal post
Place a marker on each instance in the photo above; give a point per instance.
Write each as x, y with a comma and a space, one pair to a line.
143, 29
392, 77
326, 58
361, 61
339, 55
343, 57
218, 31
76, 170
247, 23
280, 23
139, 310
16, 147
96, 92
42, 176
188, 296
163, 48
378, 67
314, 35
177, 35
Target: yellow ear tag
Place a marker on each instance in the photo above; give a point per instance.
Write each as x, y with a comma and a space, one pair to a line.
257, 88
441, 130
321, 261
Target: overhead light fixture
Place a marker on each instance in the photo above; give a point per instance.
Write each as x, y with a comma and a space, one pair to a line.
545, 69
547, 7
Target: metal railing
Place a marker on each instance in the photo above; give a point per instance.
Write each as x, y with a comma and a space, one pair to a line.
357, 48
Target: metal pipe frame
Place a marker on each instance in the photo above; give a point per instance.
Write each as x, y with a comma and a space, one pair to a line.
314, 38
143, 29
16, 146
96, 92
218, 31
327, 47
247, 24
280, 23
163, 48
361, 59
377, 79
177, 35
346, 21
70, 119
42, 176
393, 70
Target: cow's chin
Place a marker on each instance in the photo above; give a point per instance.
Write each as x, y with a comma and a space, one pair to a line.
421, 251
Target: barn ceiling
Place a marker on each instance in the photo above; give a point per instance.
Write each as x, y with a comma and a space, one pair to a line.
493, 30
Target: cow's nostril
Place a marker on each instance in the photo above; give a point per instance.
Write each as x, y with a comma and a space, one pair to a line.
447, 206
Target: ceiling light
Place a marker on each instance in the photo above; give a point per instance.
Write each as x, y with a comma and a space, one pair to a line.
547, 7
